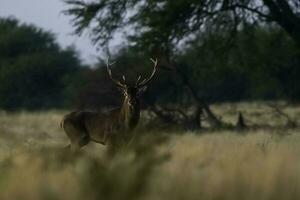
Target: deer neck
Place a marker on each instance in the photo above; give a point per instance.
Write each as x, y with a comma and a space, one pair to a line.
130, 114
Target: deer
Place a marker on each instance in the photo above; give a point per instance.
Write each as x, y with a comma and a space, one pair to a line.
107, 128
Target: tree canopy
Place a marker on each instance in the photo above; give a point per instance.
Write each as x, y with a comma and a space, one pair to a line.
33, 67
167, 23
169, 29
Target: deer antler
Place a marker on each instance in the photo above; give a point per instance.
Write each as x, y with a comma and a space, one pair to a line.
118, 83
148, 80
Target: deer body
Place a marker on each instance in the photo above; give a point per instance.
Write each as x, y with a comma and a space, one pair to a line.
106, 127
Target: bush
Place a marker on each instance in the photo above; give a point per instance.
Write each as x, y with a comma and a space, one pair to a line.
33, 67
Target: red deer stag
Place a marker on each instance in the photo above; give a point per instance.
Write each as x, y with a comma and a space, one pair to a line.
84, 126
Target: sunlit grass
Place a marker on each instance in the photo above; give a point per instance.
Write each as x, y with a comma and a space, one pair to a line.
253, 164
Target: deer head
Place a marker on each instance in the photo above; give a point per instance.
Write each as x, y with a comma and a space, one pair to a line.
132, 92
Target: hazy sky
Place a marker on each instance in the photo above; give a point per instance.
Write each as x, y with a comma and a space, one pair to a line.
47, 15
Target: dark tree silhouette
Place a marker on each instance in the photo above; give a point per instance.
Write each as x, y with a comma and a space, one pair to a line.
162, 26
33, 68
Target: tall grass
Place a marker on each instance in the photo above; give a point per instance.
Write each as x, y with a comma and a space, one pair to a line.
256, 164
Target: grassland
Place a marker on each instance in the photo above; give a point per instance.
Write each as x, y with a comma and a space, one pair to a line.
259, 163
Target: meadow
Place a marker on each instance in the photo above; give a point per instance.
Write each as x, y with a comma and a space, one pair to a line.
260, 163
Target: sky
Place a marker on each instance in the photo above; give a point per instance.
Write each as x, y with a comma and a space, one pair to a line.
47, 14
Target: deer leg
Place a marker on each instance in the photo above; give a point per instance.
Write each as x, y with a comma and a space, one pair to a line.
84, 140
78, 142
78, 137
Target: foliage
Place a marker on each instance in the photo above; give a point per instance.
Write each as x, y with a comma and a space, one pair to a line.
165, 23
33, 67
221, 70
163, 27
258, 63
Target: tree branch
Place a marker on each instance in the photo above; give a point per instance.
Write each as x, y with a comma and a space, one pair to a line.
254, 10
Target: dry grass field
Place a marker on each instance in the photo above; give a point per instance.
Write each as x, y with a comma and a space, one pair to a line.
258, 164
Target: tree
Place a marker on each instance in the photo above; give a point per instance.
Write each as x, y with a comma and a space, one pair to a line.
33, 68
260, 63
161, 27
174, 21
110, 17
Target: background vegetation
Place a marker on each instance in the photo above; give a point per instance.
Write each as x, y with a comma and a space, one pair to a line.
261, 63
34, 69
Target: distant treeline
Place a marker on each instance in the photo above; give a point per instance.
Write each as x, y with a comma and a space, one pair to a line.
258, 62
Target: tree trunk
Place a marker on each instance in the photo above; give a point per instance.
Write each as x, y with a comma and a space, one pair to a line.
211, 117
241, 122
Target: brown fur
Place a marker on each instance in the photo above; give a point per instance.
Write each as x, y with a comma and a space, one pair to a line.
84, 126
